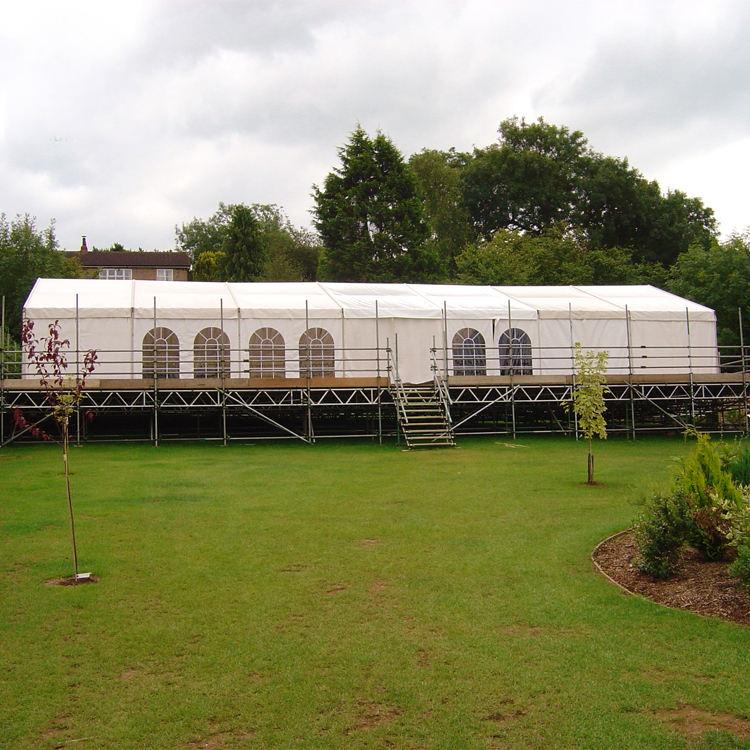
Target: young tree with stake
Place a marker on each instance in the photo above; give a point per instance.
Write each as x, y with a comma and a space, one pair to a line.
588, 398
47, 355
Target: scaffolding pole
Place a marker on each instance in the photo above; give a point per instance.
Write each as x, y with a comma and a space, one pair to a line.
156, 384
78, 375
690, 366
2, 370
572, 364
222, 373
744, 376
380, 390
512, 367
630, 373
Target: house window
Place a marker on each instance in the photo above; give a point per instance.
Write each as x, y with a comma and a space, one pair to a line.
164, 274
161, 354
267, 354
514, 350
316, 353
119, 274
469, 356
211, 354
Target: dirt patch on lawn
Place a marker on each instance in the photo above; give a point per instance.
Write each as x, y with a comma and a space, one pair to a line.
71, 581
221, 739
371, 715
702, 587
693, 722
507, 711
368, 543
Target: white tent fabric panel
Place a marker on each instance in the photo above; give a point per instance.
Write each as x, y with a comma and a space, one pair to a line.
461, 301
650, 303
53, 299
282, 300
562, 301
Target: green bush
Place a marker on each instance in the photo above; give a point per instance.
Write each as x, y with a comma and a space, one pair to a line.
739, 468
660, 534
704, 508
740, 568
712, 497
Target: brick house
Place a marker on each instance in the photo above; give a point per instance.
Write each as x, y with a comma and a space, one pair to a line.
114, 264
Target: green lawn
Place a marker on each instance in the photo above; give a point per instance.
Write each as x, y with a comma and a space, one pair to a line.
345, 596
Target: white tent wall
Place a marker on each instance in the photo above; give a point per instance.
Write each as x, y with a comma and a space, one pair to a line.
113, 317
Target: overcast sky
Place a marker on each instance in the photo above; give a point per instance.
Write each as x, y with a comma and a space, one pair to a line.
122, 119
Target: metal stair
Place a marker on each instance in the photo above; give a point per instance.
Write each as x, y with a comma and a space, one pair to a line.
423, 416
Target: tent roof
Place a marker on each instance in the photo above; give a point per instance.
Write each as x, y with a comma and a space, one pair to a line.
99, 298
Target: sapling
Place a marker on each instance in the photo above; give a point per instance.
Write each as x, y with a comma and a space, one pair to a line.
588, 398
47, 356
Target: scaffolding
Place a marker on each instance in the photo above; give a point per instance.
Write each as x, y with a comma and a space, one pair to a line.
348, 391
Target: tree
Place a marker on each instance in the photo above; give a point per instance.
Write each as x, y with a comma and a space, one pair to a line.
539, 175
26, 254
551, 257
370, 217
528, 181
717, 276
588, 399
243, 247
47, 355
438, 179
290, 253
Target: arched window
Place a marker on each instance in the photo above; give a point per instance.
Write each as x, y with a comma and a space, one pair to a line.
316, 353
514, 349
469, 357
211, 354
161, 354
267, 354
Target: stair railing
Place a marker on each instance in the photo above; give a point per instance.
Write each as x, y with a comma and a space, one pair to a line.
441, 388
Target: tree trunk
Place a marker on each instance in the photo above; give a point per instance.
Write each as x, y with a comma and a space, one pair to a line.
590, 466
70, 499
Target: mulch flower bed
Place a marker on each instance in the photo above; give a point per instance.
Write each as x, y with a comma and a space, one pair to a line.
702, 587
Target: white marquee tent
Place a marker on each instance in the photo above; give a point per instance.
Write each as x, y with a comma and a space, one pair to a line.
642, 327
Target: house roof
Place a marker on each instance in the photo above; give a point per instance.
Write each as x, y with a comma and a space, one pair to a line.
131, 259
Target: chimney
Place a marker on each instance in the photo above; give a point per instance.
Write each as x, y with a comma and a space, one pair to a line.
84, 247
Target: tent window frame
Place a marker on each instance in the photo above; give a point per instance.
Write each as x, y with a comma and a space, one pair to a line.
469, 353
211, 358
266, 354
514, 350
317, 354
160, 354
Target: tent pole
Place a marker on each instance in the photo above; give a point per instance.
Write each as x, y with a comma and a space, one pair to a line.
155, 375
222, 373
744, 376
2, 370
512, 367
343, 347
377, 359
78, 375
445, 340
690, 365
630, 372
572, 364
308, 375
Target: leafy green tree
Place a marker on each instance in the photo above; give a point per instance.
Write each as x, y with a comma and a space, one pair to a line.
370, 216
719, 277
26, 254
588, 399
528, 181
290, 253
539, 175
438, 180
243, 246
551, 257
209, 266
